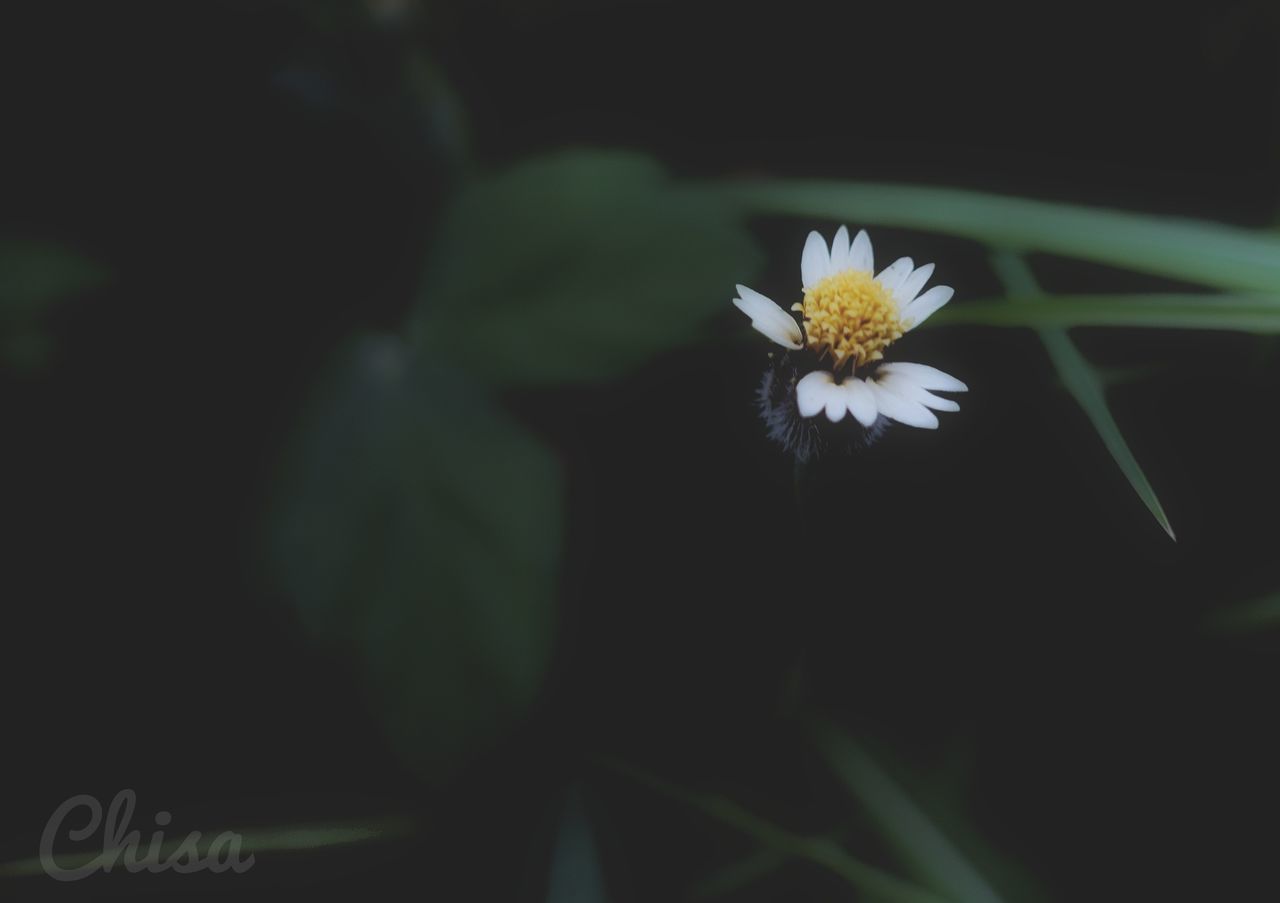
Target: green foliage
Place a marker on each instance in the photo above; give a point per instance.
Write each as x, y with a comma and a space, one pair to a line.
1236, 313
927, 852
576, 875
33, 277
1247, 617
418, 532
1084, 384
1208, 253
418, 529
871, 882
576, 267
1202, 252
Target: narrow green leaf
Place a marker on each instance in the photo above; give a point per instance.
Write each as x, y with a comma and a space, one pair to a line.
1234, 313
874, 884
577, 266
1198, 251
923, 847
1084, 385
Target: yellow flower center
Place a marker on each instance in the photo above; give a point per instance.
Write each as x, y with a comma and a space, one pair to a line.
850, 315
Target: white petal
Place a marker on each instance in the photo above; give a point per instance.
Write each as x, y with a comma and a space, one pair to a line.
911, 286
815, 262
840, 250
903, 385
923, 307
861, 400
903, 410
812, 392
769, 319
860, 256
924, 376
837, 404
892, 275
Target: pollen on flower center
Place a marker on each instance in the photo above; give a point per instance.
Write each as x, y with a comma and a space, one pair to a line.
852, 316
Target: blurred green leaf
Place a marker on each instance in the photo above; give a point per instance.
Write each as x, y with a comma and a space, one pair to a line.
1084, 385
737, 875
872, 884
1194, 250
1248, 617
418, 532
34, 276
576, 875
1119, 376
26, 348
924, 849
1236, 313
576, 267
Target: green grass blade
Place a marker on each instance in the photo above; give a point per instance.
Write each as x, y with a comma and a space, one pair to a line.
1234, 313
1198, 251
738, 875
872, 883
1088, 393
1084, 385
923, 847
746, 871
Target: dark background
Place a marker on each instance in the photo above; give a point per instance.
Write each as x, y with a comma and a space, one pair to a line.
989, 600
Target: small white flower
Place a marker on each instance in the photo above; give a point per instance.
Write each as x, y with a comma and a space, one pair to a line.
850, 316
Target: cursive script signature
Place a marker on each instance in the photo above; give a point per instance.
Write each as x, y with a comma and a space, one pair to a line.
120, 846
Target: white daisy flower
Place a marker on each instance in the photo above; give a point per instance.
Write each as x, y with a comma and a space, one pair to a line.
835, 367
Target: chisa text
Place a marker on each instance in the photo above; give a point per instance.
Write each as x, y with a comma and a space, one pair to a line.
126, 848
